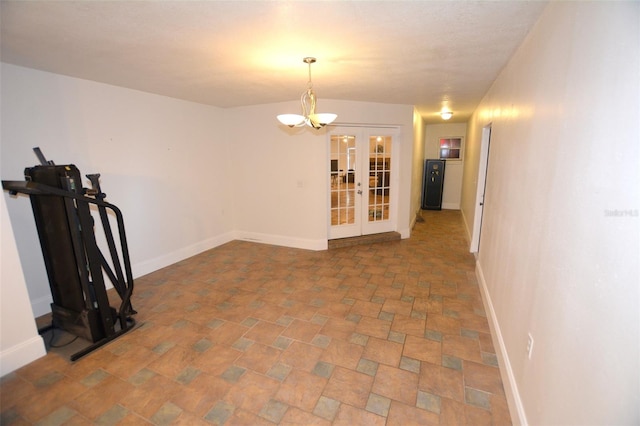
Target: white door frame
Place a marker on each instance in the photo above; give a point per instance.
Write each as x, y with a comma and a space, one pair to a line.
483, 164
362, 225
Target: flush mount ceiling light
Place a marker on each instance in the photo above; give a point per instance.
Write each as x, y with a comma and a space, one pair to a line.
446, 115
308, 101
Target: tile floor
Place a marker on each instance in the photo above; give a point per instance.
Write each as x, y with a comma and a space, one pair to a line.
248, 334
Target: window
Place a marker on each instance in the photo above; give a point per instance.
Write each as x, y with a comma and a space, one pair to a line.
451, 148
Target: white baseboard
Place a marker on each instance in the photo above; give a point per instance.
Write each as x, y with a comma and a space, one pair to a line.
450, 206
414, 219
405, 233
518, 416
466, 227
151, 265
21, 354
278, 240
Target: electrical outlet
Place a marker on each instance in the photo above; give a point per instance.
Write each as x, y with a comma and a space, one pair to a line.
529, 346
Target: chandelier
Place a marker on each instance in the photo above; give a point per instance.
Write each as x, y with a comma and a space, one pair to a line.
308, 101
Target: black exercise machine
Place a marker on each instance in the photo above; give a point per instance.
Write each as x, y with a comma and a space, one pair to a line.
75, 265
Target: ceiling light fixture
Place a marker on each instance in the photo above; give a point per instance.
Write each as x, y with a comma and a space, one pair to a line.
446, 115
308, 101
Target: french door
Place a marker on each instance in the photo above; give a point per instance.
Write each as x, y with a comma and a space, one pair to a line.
361, 180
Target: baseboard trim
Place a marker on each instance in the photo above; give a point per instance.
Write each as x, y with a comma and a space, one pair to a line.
148, 266
414, 219
450, 206
405, 233
518, 416
466, 228
278, 240
21, 354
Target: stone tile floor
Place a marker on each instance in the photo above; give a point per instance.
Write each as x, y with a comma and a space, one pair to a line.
390, 333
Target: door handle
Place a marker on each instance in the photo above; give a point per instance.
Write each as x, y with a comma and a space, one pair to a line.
360, 192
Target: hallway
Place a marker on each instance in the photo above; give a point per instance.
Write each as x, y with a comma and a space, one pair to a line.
250, 334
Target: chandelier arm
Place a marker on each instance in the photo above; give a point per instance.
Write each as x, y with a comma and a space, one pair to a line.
303, 103
312, 100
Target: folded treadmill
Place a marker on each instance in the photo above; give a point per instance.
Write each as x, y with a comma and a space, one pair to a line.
76, 267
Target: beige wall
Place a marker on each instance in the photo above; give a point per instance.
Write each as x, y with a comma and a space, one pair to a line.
418, 155
559, 251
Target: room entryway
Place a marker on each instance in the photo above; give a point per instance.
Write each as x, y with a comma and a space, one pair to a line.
361, 181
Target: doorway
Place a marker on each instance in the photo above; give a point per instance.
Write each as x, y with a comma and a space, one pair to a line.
362, 193
483, 166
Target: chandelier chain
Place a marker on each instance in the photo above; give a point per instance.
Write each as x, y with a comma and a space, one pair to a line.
310, 61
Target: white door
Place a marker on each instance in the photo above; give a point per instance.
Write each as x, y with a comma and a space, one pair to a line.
362, 173
480, 190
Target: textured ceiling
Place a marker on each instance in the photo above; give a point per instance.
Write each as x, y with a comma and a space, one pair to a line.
235, 53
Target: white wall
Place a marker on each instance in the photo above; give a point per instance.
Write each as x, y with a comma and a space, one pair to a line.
281, 174
20, 343
162, 161
453, 171
559, 250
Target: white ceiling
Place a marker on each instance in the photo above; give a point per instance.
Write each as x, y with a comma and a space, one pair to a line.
236, 53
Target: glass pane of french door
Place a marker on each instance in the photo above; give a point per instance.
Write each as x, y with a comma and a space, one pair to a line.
379, 178
343, 156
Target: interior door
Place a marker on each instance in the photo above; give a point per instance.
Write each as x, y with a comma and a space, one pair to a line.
483, 166
361, 175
